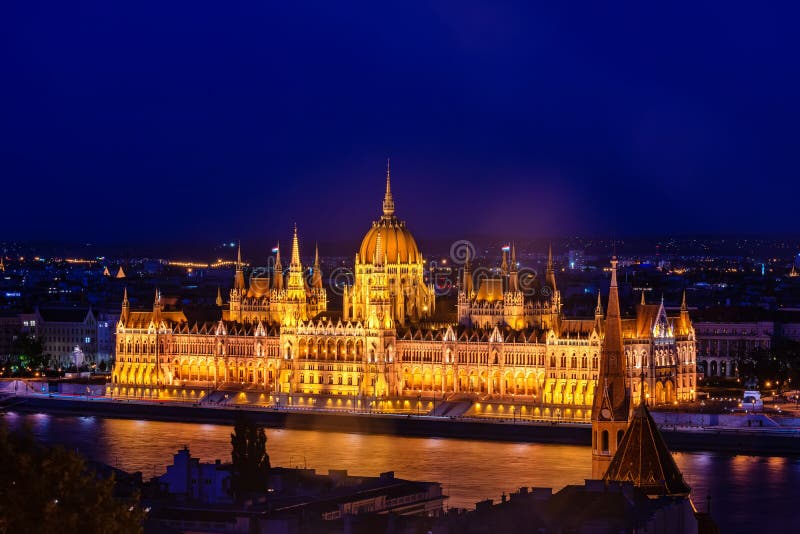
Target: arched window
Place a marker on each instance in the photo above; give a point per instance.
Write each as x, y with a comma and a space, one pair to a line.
604, 441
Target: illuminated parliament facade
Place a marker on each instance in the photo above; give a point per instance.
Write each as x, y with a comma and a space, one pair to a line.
276, 335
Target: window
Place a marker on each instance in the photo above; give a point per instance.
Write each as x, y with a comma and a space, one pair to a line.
604, 441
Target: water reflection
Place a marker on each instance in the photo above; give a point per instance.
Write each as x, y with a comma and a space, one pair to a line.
747, 492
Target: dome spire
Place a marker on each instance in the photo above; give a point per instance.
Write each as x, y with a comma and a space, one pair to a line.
388, 201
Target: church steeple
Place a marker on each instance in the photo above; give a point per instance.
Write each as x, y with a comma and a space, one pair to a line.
644, 459
611, 404
219, 302
388, 201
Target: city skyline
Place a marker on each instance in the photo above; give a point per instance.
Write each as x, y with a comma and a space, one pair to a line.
515, 120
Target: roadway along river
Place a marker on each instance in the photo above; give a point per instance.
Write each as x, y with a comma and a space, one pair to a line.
748, 493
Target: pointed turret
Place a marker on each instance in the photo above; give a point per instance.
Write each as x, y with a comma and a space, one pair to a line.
467, 283
219, 300
611, 405
504, 262
277, 275
513, 277
388, 201
126, 307
643, 458
598, 311
550, 273
238, 280
316, 278
643, 302
295, 261
157, 307
684, 321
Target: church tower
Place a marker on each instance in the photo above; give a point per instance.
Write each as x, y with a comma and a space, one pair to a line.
611, 406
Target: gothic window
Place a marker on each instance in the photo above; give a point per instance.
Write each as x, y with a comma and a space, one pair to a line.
604, 441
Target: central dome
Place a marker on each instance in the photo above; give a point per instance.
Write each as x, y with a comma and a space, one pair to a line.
396, 240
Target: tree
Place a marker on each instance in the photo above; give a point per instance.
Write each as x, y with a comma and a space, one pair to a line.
778, 365
249, 456
50, 489
30, 352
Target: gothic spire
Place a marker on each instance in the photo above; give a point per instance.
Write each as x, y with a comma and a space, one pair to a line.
598, 311
550, 273
219, 300
126, 306
388, 201
684, 307
316, 278
467, 284
643, 458
277, 275
611, 401
295, 250
643, 301
238, 280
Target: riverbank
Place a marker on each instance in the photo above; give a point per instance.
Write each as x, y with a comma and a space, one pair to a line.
734, 441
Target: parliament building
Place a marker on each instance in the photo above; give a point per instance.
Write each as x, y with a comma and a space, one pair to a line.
508, 339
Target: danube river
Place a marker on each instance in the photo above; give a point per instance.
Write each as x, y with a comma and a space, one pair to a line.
748, 493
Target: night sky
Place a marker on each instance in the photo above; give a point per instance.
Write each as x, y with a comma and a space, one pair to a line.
201, 121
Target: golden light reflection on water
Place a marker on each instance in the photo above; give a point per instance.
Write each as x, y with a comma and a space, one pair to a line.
746, 491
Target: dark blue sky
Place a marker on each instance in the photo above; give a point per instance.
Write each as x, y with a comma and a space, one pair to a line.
175, 122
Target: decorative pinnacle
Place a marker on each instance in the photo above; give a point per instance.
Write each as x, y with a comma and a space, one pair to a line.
614, 271
295, 248
599, 309
125, 297
239, 256
388, 201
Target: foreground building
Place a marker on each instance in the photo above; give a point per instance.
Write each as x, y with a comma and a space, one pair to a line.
509, 337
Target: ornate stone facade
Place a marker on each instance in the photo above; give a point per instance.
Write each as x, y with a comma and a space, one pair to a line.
276, 335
